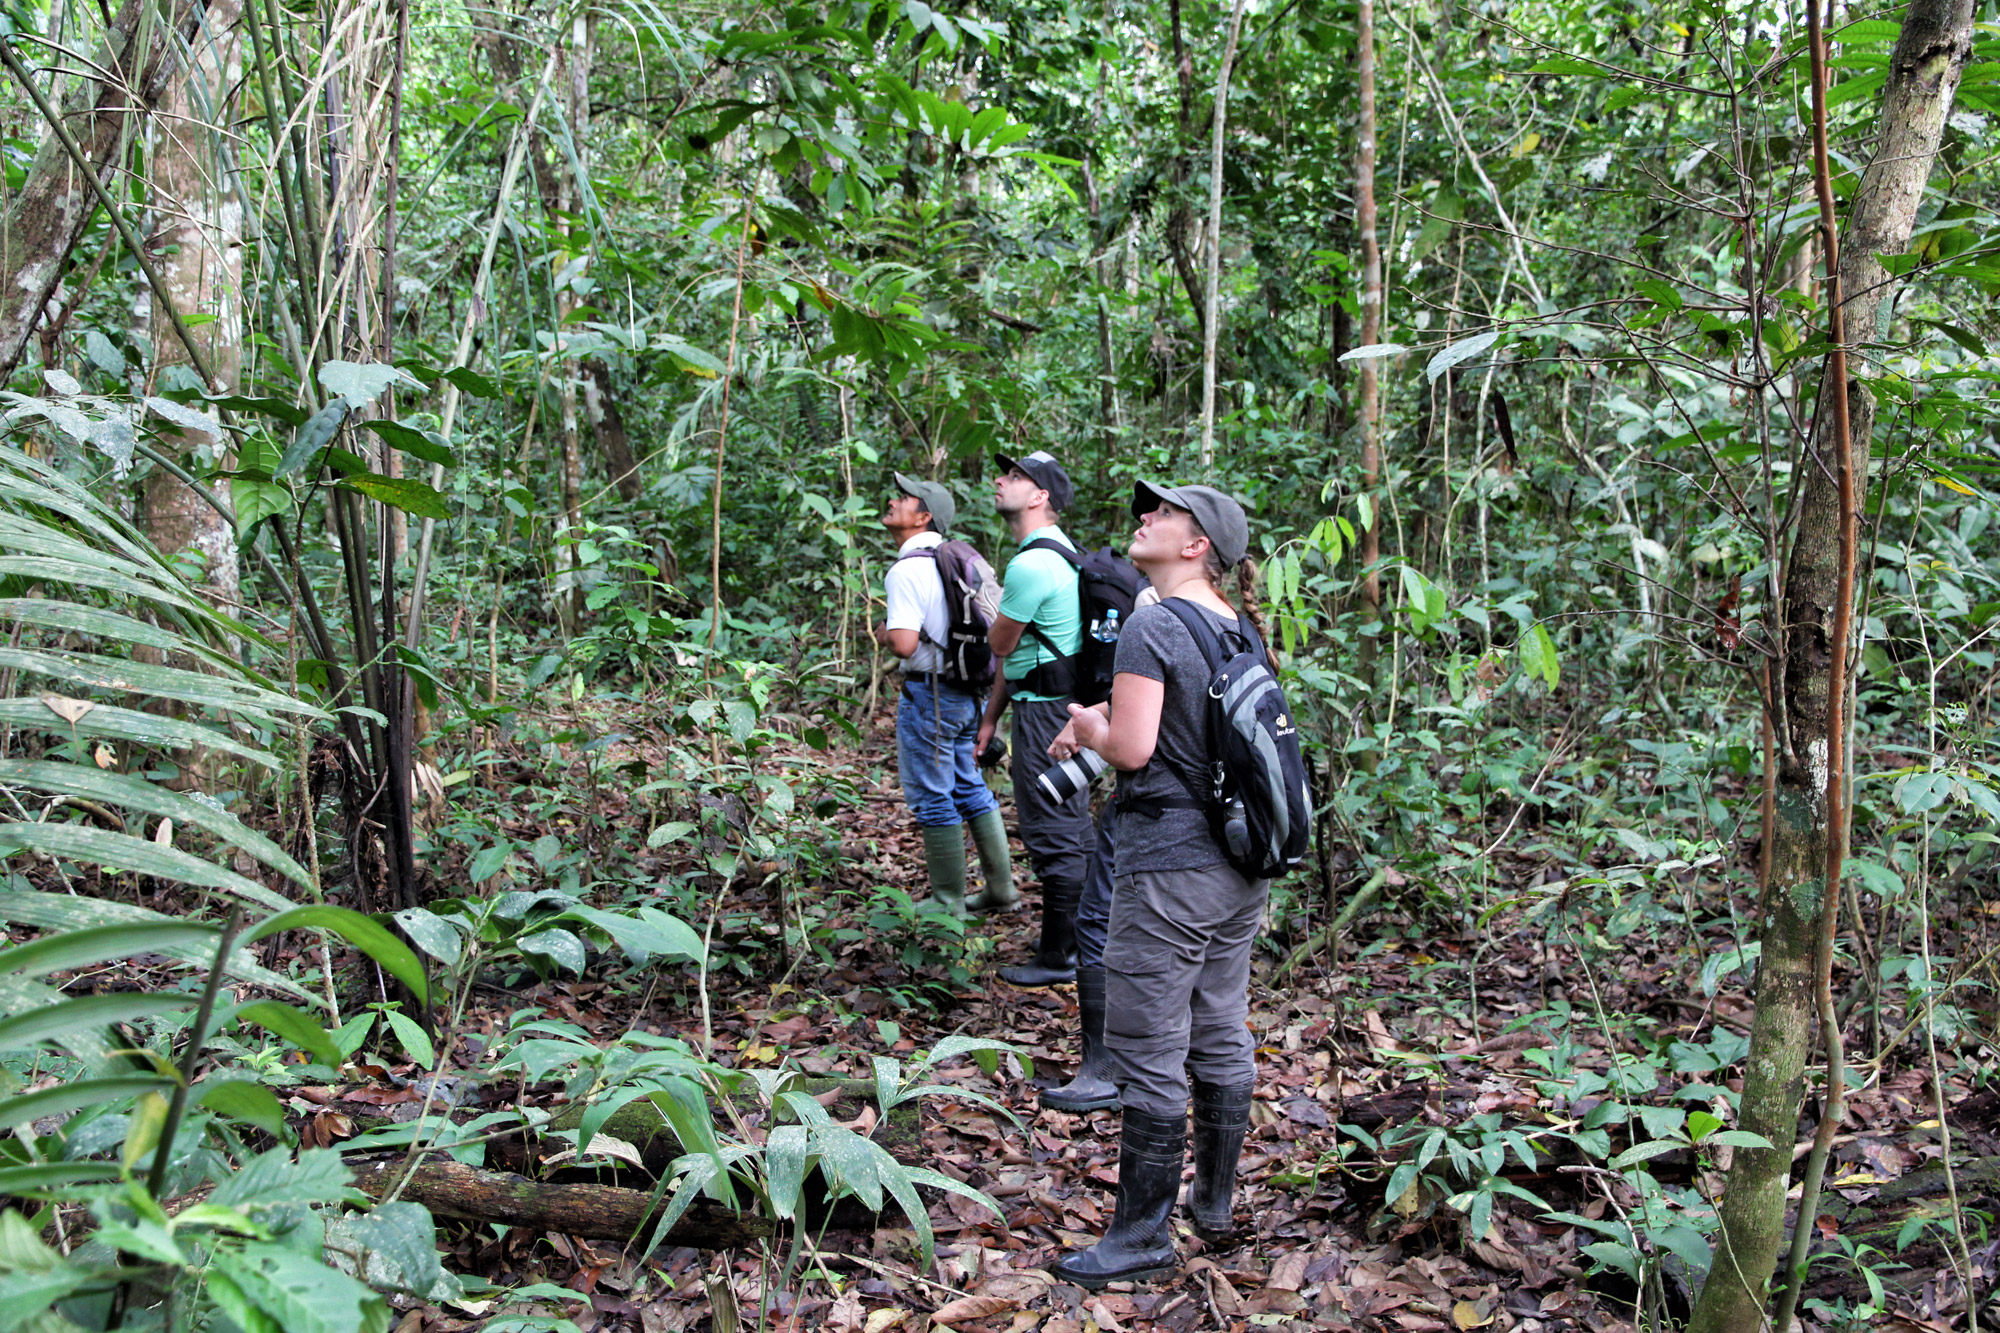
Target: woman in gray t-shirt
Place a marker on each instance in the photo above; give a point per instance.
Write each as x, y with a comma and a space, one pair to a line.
1177, 957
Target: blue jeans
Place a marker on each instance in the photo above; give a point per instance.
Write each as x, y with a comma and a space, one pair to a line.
1093, 914
936, 729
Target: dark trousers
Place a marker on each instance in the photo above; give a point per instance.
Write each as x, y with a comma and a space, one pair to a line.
1057, 834
1093, 914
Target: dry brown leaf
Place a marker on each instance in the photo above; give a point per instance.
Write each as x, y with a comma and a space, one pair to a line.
164, 834
1289, 1272
104, 757
882, 1320
1471, 1314
68, 709
1103, 1314
972, 1307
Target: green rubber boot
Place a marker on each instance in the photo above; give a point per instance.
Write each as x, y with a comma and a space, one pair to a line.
944, 862
996, 865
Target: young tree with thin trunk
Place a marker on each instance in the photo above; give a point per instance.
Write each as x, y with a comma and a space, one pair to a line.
1370, 389
1211, 305
1924, 72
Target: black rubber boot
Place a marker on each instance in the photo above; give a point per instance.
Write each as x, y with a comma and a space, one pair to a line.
1138, 1243
1092, 1088
1221, 1119
1055, 957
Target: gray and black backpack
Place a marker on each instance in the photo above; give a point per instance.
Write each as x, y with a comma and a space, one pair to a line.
1257, 791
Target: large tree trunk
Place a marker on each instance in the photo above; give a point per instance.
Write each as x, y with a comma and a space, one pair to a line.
47, 217
1923, 76
197, 245
608, 423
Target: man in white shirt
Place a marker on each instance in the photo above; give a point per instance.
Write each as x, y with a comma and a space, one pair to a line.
937, 721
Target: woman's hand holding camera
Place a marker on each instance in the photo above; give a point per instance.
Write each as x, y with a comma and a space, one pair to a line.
1087, 730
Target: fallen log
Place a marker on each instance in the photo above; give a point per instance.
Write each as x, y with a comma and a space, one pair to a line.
595, 1212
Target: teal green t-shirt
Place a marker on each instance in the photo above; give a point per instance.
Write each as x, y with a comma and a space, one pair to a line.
1040, 590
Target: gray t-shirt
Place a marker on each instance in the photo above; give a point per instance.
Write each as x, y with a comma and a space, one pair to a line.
1156, 645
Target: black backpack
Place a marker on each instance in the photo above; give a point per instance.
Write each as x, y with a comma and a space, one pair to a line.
1107, 584
971, 600
1257, 792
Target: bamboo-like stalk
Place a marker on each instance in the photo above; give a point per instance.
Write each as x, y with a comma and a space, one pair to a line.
722, 440
1365, 221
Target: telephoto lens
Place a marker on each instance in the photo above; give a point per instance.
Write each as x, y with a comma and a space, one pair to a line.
1072, 775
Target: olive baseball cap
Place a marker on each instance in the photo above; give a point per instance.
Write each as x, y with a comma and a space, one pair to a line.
1047, 473
1220, 517
936, 498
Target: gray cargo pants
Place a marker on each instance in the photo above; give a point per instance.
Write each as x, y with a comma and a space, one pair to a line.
1177, 979
1058, 835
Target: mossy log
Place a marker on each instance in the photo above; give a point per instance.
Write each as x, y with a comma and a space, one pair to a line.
595, 1212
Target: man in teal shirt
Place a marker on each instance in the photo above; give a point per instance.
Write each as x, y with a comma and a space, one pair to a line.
1037, 632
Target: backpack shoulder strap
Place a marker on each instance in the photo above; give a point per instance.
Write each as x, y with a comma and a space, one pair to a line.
1074, 558
1205, 637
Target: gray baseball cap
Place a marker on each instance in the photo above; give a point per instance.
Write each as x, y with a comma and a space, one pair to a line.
1220, 517
1048, 474
935, 496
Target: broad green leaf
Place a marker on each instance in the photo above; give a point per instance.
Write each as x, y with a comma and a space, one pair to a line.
560, 946
432, 933
123, 852
299, 1292
1641, 1152
109, 722
1460, 352
413, 1038
404, 493
362, 383
86, 948
67, 1097
1739, 1138
62, 912
138, 794
253, 501
296, 1027
84, 1014
275, 1180
26, 1180
401, 1244
364, 933
154, 681
421, 444
311, 438
1701, 1124
240, 1099
472, 382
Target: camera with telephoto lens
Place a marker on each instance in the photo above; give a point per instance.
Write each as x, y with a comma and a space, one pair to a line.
1072, 775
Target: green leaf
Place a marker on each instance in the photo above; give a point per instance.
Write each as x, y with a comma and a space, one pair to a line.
1460, 352
1701, 1124
311, 438
404, 493
1642, 1152
413, 1038
364, 933
422, 444
361, 383
431, 933
86, 948
401, 1241
240, 1099
274, 1180
87, 1013
281, 1020
126, 724
560, 946
785, 1167
1373, 351
1739, 1138
253, 501
123, 852
66, 1097
22, 1181
300, 1293
472, 382
1612, 1255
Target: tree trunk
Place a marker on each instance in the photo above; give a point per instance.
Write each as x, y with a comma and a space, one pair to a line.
576, 193
608, 423
1371, 322
47, 217
1212, 304
1924, 72
198, 246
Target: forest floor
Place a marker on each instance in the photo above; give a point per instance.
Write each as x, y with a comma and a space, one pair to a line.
1390, 1034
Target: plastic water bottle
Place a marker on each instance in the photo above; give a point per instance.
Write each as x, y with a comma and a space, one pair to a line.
1106, 630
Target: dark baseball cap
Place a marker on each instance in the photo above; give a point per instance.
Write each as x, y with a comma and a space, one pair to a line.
1047, 473
1220, 517
935, 496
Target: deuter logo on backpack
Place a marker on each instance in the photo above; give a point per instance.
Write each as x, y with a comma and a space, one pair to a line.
1107, 585
971, 600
